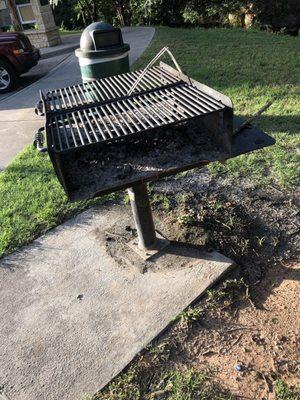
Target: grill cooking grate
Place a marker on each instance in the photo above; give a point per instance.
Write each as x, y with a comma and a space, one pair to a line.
107, 88
102, 112
120, 118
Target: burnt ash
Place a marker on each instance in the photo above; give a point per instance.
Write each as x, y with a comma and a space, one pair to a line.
118, 163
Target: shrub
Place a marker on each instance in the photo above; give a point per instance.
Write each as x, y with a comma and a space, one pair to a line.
279, 15
146, 12
275, 15
191, 17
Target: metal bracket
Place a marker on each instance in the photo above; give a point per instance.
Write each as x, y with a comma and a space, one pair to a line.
38, 142
146, 254
39, 108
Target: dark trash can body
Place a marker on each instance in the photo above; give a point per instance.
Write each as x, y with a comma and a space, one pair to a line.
102, 52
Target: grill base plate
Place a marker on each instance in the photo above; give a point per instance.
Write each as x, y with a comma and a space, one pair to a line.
161, 244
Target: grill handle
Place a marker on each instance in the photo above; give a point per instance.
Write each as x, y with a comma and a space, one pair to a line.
153, 61
39, 140
39, 108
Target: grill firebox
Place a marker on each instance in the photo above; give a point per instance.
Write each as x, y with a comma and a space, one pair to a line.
88, 125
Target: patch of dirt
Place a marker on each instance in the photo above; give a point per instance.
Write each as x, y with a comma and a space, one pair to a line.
255, 227
245, 332
256, 329
264, 342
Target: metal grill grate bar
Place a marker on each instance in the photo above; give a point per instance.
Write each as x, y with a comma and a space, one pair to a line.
159, 111
106, 89
126, 116
86, 114
194, 89
159, 73
131, 103
72, 130
111, 88
100, 128
196, 97
205, 96
78, 128
193, 101
97, 92
161, 105
110, 135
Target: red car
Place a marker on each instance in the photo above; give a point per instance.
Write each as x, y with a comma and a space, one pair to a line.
17, 56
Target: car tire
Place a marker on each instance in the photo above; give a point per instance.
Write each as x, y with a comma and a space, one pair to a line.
8, 77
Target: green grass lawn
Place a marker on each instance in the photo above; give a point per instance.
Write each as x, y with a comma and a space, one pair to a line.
249, 66
32, 200
66, 32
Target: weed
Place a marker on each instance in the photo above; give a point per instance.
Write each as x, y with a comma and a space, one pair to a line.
181, 198
188, 385
260, 241
182, 174
161, 351
188, 217
190, 315
245, 246
229, 223
163, 200
275, 241
126, 198
284, 392
216, 205
123, 387
226, 294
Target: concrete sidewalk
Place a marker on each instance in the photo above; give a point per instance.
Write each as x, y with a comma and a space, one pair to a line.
74, 313
68, 44
18, 122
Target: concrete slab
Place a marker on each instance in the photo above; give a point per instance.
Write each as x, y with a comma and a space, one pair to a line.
66, 73
20, 137
55, 344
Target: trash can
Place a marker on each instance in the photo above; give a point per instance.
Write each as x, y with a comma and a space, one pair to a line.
102, 52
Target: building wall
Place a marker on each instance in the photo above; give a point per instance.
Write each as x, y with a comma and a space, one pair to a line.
47, 33
4, 15
44, 38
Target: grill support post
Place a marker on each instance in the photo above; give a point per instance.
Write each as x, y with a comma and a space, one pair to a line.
141, 209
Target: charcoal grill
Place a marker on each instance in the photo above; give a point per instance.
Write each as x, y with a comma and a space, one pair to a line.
103, 137
90, 118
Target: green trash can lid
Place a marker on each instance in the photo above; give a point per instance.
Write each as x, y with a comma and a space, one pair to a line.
101, 39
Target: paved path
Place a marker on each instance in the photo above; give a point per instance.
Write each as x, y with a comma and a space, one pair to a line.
68, 44
18, 123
